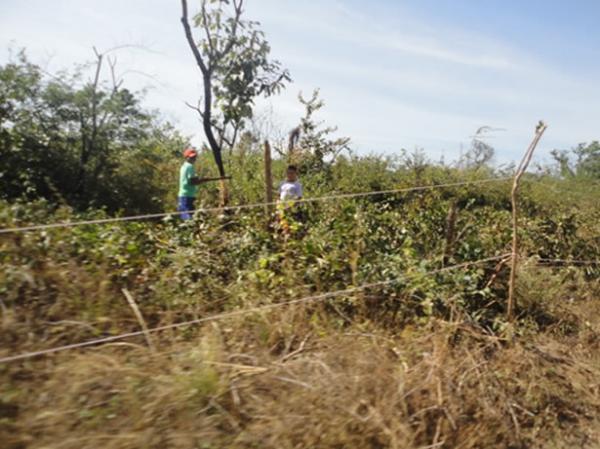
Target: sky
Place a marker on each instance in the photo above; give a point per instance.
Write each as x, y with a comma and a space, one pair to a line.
394, 74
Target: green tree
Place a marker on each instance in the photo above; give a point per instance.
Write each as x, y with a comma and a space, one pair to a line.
588, 160
65, 138
234, 59
311, 144
32, 158
585, 164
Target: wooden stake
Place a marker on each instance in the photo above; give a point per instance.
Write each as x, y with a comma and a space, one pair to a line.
268, 180
450, 232
223, 193
140, 318
539, 132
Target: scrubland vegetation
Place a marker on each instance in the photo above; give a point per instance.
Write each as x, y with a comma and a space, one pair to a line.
426, 361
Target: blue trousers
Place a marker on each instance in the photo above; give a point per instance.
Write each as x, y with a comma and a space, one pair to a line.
186, 205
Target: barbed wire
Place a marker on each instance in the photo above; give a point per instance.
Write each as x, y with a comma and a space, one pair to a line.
221, 316
143, 217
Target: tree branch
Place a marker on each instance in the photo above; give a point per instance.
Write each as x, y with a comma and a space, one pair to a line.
195, 108
190, 38
233, 37
222, 132
112, 62
206, 27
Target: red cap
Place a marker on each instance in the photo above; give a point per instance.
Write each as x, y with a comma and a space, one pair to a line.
190, 152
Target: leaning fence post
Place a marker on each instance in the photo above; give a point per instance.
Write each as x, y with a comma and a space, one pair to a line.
539, 132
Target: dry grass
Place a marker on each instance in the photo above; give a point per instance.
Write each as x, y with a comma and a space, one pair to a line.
301, 377
285, 381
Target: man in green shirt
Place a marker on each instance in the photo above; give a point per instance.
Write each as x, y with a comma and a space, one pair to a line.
188, 185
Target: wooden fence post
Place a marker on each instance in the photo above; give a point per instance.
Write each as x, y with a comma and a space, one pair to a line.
539, 132
268, 180
223, 193
450, 232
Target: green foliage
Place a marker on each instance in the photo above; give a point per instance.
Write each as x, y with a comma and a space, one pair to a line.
80, 143
220, 262
317, 150
216, 263
586, 163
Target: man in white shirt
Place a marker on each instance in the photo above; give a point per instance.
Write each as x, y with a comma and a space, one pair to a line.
291, 188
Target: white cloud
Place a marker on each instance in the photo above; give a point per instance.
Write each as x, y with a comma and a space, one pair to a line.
355, 28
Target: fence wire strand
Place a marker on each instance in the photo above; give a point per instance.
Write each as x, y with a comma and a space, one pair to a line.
568, 261
132, 218
221, 316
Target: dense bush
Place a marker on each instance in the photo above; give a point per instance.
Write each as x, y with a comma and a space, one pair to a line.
81, 143
219, 262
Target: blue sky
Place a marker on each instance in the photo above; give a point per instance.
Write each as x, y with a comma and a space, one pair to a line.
394, 74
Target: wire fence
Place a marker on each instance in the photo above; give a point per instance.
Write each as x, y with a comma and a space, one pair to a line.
568, 262
314, 298
237, 313
41, 227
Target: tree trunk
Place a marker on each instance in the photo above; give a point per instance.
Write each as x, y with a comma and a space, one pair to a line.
207, 122
207, 113
207, 81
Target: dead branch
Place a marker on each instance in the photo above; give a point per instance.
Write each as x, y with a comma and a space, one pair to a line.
190, 38
497, 271
195, 108
112, 63
293, 140
140, 318
295, 352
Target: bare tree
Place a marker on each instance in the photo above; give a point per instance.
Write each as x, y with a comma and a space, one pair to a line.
481, 151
